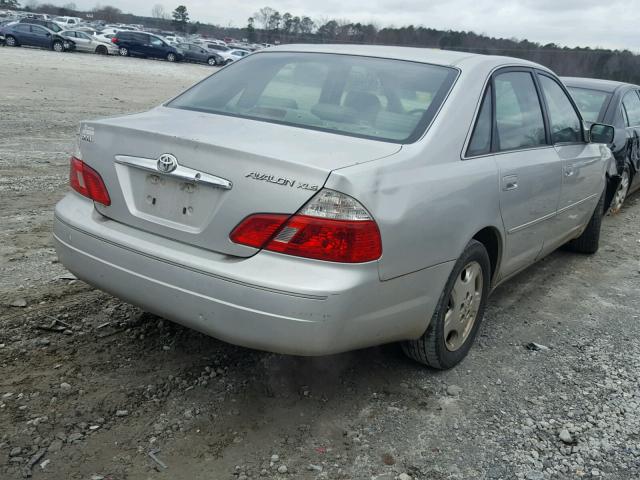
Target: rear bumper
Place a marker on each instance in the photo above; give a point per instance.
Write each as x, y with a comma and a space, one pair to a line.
269, 301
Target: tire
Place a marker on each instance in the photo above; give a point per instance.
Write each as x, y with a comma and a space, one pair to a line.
228, 61
123, 51
438, 348
101, 50
212, 61
10, 41
171, 57
621, 192
589, 241
58, 46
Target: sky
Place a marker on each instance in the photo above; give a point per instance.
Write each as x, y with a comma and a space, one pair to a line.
594, 23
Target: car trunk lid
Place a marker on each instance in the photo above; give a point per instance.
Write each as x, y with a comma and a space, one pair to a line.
244, 167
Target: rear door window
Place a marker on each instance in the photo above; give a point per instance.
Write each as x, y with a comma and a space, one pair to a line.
631, 103
519, 121
565, 123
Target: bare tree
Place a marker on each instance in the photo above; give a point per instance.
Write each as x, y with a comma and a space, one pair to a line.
158, 11
263, 17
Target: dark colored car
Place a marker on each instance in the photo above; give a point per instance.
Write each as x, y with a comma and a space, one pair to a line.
142, 44
195, 53
617, 104
53, 26
26, 34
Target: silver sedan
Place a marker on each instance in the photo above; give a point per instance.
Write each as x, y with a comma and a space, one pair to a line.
90, 44
315, 199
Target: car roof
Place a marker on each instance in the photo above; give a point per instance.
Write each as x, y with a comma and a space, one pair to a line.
415, 54
609, 86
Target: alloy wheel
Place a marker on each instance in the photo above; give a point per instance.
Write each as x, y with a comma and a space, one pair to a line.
463, 306
11, 42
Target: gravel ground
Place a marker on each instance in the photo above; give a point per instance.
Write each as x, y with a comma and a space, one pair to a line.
93, 388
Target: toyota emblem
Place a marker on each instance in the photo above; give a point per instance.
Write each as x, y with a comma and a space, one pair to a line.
167, 163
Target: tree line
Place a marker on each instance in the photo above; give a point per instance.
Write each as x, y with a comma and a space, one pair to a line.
269, 25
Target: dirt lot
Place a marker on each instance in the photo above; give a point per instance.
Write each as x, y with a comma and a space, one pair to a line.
89, 385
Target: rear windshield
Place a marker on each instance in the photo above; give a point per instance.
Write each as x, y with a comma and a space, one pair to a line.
382, 99
591, 103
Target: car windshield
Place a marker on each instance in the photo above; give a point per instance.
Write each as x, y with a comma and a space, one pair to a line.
383, 99
590, 102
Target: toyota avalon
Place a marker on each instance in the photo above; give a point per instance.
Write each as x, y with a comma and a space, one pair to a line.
316, 199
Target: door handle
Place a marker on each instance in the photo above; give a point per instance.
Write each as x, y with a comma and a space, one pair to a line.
509, 182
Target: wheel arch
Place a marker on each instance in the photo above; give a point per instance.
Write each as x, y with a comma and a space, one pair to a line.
491, 239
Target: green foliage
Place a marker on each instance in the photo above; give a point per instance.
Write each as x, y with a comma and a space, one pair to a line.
180, 18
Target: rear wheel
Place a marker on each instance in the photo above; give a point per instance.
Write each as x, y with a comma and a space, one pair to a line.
11, 41
621, 192
58, 46
124, 51
212, 61
459, 312
227, 62
589, 241
171, 57
101, 50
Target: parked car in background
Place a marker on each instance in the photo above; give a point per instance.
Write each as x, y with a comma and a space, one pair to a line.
53, 26
146, 45
91, 44
28, 35
381, 207
229, 55
104, 37
617, 104
216, 46
195, 53
68, 22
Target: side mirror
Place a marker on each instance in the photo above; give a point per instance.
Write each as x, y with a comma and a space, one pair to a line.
600, 133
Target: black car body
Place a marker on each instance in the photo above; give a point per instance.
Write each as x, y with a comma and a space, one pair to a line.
196, 53
30, 35
617, 104
143, 44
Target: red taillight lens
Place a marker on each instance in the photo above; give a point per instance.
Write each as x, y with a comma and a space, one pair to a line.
338, 230
114, 39
347, 241
256, 230
87, 182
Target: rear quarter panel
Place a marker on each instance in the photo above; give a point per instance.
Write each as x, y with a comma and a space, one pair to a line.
427, 201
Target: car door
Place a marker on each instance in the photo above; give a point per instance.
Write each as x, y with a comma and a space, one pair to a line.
83, 42
22, 32
529, 168
41, 37
138, 43
631, 107
190, 52
156, 47
202, 54
583, 165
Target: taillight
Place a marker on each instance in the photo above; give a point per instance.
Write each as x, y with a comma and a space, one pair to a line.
114, 39
332, 226
87, 182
